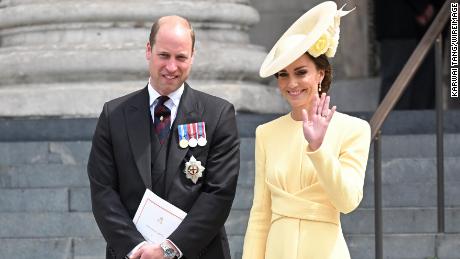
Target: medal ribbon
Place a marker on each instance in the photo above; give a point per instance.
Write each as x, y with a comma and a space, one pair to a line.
182, 132
195, 129
191, 130
201, 129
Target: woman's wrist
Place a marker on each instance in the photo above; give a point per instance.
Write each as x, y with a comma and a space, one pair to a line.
312, 147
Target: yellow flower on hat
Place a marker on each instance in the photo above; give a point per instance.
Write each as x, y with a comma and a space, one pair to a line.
332, 49
334, 31
320, 46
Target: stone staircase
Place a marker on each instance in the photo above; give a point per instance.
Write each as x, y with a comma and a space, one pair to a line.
45, 209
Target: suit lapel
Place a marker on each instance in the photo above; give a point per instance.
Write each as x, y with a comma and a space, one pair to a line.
187, 112
138, 126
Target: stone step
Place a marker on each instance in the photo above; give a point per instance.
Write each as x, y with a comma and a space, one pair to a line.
394, 170
397, 123
82, 129
32, 200
58, 175
89, 248
44, 152
361, 246
395, 246
50, 224
22, 167
418, 195
413, 182
418, 170
407, 246
43, 175
27, 248
406, 182
361, 221
53, 248
77, 152
401, 220
393, 146
415, 146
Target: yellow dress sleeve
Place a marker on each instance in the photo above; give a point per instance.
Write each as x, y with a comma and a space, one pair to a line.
260, 216
343, 177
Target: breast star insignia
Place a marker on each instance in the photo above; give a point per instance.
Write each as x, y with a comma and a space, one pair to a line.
193, 169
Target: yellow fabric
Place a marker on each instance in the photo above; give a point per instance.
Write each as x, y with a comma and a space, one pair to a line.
299, 195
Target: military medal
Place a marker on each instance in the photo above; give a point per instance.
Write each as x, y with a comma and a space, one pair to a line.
193, 169
183, 142
201, 134
192, 142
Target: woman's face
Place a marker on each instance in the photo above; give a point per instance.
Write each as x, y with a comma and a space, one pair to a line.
298, 82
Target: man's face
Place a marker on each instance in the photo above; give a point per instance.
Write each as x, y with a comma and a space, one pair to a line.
170, 58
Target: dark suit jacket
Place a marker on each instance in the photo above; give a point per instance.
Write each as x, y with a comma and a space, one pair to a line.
396, 19
119, 170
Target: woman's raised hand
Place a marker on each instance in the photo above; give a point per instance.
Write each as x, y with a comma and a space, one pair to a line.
316, 121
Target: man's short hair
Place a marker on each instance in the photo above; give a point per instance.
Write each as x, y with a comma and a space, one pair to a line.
156, 27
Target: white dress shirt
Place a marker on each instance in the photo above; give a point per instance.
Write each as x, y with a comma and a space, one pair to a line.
172, 103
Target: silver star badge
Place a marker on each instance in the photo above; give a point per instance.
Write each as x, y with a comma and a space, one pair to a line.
193, 169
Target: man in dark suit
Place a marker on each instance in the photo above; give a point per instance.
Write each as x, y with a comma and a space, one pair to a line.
400, 25
136, 146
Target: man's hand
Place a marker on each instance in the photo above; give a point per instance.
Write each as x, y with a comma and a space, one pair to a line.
424, 18
148, 251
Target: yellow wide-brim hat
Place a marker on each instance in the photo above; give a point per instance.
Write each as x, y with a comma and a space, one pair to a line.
317, 31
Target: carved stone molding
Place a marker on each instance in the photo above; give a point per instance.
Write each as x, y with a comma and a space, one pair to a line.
66, 58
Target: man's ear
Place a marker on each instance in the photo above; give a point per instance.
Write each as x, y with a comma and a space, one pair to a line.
193, 55
148, 51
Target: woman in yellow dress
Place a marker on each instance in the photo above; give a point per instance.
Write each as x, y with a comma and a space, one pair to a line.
310, 163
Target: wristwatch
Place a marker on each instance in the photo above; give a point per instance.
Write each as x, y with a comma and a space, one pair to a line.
168, 251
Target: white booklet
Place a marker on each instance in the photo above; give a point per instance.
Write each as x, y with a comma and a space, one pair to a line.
156, 218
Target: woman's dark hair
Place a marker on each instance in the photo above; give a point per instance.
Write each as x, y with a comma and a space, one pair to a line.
321, 63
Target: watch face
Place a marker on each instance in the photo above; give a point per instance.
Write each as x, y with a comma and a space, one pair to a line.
168, 252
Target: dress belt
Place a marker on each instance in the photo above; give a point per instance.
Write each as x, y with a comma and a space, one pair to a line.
292, 206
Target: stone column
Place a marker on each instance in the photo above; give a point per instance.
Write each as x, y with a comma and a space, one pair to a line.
66, 58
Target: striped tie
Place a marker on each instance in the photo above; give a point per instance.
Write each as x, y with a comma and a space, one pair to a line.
162, 119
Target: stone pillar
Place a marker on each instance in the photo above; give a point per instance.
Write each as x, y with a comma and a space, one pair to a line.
66, 58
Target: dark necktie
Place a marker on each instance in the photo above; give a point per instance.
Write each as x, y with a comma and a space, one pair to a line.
162, 119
